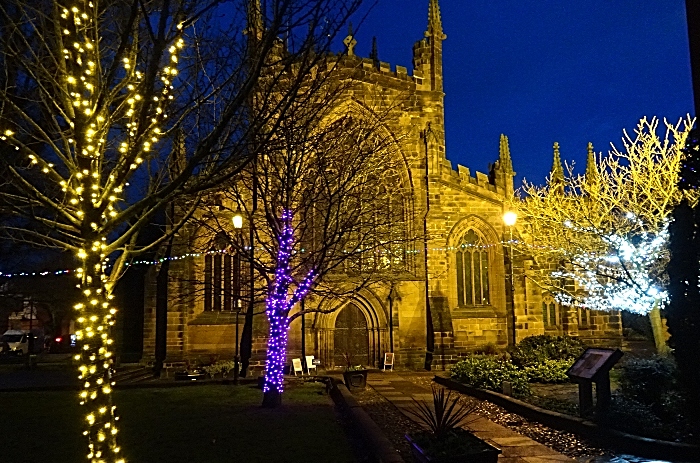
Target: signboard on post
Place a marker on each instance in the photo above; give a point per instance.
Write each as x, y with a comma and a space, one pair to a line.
389, 360
592, 363
593, 366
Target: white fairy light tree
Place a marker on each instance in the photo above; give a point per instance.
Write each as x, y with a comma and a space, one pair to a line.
607, 230
90, 99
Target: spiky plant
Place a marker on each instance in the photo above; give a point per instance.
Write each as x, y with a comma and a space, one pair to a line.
447, 413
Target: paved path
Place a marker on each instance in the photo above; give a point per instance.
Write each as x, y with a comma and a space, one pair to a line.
516, 447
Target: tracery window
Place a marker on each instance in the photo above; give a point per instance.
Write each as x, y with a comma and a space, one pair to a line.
382, 233
472, 271
224, 288
551, 312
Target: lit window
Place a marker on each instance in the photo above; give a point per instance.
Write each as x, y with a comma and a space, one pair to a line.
551, 312
472, 271
222, 277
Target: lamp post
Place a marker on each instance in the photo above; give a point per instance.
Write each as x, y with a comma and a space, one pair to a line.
237, 225
509, 218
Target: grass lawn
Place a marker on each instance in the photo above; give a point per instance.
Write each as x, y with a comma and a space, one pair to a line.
212, 423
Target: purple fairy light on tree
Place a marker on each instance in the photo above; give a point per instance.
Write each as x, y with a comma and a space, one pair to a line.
279, 303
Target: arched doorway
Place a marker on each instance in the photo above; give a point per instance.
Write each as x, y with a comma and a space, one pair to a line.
351, 337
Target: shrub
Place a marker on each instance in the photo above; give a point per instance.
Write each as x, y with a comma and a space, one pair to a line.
549, 371
647, 380
536, 349
629, 415
222, 366
446, 414
488, 372
488, 349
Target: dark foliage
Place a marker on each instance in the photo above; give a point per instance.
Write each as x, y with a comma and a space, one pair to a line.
647, 380
537, 349
683, 311
446, 414
489, 372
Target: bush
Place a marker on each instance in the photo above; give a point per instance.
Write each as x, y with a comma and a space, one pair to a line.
222, 366
647, 380
489, 372
534, 350
629, 415
549, 371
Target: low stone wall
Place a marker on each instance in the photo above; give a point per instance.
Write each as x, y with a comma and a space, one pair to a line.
637, 445
372, 434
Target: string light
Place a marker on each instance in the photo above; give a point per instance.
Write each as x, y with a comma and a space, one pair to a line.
279, 303
92, 198
190, 255
621, 280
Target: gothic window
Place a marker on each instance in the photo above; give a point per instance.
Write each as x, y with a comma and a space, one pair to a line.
584, 317
551, 312
223, 288
472, 271
381, 237
390, 226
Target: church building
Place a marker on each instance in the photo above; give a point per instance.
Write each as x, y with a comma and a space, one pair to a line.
460, 293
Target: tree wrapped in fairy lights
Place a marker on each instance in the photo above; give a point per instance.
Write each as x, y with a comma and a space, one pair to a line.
91, 98
607, 230
279, 304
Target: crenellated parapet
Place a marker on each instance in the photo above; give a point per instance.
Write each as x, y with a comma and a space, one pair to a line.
462, 177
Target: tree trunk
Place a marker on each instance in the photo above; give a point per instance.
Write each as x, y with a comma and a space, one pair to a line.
161, 351
276, 358
95, 317
658, 328
246, 343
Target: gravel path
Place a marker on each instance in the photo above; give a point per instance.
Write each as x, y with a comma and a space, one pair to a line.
395, 425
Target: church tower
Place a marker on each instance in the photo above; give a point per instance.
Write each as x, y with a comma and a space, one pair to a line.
427, 53
427, 74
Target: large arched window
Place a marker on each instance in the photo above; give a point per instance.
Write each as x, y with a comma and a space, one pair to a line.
472, 271
224, 287
379, 235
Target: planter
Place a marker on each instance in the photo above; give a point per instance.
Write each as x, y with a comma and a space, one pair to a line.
355, 379
461, 447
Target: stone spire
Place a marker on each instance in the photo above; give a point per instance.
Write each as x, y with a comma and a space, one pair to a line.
254, 27
556, 176
374, 54
350, 41
427, 53
505, 166
592, 174
434, 21
504, 155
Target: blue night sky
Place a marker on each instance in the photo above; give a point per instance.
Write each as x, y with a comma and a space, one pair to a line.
544, 71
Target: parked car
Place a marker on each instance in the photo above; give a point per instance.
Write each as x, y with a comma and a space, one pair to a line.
14, 342
62, 344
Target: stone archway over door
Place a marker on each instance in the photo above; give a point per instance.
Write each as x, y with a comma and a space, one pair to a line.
351, 336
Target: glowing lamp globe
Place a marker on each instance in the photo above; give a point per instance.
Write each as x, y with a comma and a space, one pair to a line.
509, 218
238, 221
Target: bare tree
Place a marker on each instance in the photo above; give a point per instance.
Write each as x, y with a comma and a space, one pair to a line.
89, 100
328, 208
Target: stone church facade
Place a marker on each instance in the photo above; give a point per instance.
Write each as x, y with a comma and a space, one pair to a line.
457, 296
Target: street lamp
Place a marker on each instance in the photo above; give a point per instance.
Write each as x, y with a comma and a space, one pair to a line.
238, 219
237, 225
509, 218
